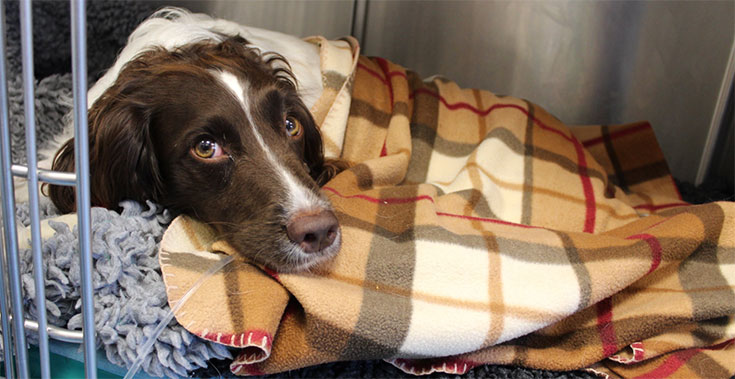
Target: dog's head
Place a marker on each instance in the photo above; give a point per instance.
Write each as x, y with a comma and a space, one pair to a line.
216, 131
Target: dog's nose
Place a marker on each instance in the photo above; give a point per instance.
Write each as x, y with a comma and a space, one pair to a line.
313, 232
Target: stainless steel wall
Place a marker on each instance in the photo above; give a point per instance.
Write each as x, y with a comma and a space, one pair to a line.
588, 62
329, 18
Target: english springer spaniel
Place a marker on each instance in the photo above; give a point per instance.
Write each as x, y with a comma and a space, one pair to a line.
205, 122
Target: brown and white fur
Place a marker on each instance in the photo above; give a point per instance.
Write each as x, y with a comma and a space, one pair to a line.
205, 122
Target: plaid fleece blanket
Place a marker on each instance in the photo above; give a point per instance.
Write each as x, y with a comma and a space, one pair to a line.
477, 229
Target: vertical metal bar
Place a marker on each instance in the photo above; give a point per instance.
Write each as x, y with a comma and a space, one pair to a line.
8, 199
26, 27
5, 308
81, 162
728, 80
13, 265
359, 20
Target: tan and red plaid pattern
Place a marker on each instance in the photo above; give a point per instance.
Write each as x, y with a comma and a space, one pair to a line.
480, 229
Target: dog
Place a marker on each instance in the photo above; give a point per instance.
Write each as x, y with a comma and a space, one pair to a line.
196, 117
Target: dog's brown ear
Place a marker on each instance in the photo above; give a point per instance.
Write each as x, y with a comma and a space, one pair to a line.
123, 164
62, 196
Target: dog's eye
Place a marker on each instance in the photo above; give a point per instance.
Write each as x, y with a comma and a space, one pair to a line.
206, 148
293, 127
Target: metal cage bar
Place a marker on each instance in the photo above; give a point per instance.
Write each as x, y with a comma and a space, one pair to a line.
11, 252
12, 312
29, 110
81, 166
53, 177
8, 205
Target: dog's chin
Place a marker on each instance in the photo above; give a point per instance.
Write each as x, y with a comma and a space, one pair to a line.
286, 256
296, 260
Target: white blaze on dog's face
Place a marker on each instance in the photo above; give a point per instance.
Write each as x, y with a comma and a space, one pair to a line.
310, 222
300, 198
217, 131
